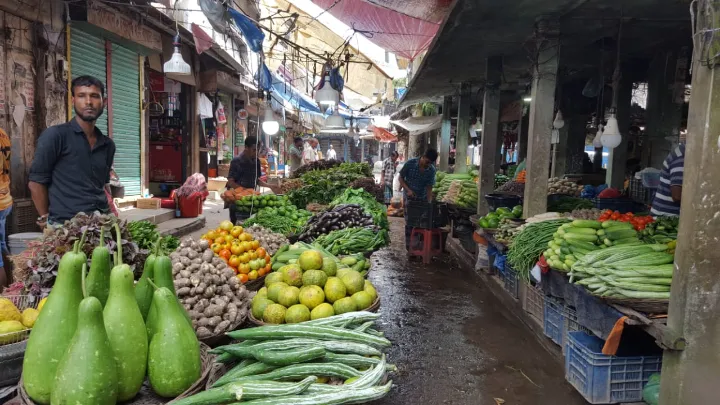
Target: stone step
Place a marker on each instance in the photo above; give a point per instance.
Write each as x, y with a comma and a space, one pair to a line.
155, 216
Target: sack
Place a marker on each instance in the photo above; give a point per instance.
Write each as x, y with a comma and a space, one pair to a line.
482, 262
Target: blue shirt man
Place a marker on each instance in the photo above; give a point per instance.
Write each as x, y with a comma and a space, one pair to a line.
417, 178
667, 196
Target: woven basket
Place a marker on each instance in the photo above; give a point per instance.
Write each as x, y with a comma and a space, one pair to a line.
252, 320
22, 302
254, 285
646, 306
146, 396
214, 340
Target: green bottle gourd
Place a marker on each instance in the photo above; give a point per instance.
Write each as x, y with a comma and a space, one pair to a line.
98, 279
174, 355
87, 373
55, 327
162, 277
143, 289
126, 330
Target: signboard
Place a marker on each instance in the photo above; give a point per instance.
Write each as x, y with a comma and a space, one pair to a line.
125, 27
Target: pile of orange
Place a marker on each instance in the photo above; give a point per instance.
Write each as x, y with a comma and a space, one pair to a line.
239, 250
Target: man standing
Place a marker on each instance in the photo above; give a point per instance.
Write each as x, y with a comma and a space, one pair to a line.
331, 155
669, 192
388, 175
6, 204
245, 171
73, 161
296, 154
417, 179
309, 152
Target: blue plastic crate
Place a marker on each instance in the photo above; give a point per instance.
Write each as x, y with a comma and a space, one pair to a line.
605, 379
571, 324
554, 320
510, 281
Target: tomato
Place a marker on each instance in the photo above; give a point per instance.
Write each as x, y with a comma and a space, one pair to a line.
253, 275
229, 238
216, 247
261, 262
244, 258
225, 254
268, 267
243, 278
267, 258
244, 268
247, 246
211, 235
253, 255
260, 252
234, 261
236, 249
255, 245
236, 231
262, 272
226, 225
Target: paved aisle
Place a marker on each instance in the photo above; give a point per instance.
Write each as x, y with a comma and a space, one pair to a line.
452, 341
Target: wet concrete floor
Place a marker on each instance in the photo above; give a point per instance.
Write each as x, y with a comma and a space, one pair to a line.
453, 342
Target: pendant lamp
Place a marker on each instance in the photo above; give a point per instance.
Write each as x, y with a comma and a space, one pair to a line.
596, 141
269, 125
177, 64
611, 135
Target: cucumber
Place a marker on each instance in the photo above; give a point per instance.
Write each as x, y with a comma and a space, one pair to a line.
290, 356
246, 391
621, 234
583, 245
585, 231
586, 223
580, 237
610, 224
626, 241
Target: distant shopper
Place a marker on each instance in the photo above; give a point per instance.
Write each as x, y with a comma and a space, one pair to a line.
417, 179
310, 151
296, 154
669, 192
331, 154
72, 163
6, 204
388, 175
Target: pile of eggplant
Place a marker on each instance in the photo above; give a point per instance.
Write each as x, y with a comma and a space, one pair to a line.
340, 217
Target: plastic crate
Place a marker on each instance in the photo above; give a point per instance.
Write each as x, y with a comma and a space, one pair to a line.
554, 320
605, 379
420, 214
23, 217
640, 193
534, 301
510, 280
571, 324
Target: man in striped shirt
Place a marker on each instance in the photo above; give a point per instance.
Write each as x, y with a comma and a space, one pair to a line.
667, 196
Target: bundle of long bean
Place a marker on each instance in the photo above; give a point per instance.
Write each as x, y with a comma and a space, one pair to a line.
530, 243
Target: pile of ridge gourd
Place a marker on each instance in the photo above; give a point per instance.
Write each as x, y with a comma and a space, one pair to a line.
100, 333
336, 360
213, 296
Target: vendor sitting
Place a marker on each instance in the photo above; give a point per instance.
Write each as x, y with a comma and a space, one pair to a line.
417, 179
245, 171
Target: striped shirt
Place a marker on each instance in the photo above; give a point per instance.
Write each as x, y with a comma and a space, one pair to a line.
671, 175
389, 171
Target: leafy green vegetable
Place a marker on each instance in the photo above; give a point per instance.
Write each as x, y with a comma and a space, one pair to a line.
353, 240
145, 234
322, 186
368, 203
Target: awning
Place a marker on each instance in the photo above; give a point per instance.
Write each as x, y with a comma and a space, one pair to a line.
419, 125
295, 97
383, 135
397, 32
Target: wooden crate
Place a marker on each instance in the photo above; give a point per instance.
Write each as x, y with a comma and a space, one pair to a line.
148, 203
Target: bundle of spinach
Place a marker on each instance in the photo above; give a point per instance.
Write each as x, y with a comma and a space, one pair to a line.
145, 234
322, 186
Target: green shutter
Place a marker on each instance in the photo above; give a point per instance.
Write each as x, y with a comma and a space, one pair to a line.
87, 57
126, 117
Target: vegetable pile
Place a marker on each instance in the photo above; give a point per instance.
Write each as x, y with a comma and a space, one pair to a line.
500, 179
662, 230
557, 185
349, 241
638, 222
145, 234
208, 288
507, 231
276, 223
368, 184
592, 213
289, 185
239, 250
529, 243
575, 239
568, 204
315, 285
322, 186
37, 266
492, 219
340, 217
512, 187
101, 333
336, 360
16, 318
464, 192
636, 272
313, 166
367, 202
268, 239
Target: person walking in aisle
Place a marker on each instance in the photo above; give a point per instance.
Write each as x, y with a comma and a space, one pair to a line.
6, 204
417, 179
309, 151
388, 175
331, 155
71, 168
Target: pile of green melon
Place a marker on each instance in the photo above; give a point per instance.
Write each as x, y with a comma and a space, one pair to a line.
312, 288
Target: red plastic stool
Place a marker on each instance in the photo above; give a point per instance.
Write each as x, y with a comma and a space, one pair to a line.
427, 251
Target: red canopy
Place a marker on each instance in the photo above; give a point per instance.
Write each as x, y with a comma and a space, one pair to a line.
383, 135
397, 32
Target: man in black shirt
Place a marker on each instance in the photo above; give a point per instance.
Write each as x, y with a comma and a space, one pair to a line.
245, 171
73, 161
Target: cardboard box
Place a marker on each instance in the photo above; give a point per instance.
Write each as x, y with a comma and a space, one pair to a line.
217, 184
148, 203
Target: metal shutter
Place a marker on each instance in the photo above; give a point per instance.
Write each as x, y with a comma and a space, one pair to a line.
126, 117
87, 57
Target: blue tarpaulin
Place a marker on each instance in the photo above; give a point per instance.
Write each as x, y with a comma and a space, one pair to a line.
295, 97
253, 36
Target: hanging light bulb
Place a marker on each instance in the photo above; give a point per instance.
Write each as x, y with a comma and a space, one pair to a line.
559, 122
596, 141
177, 64
334, 123
270, 126
611, 137
327, 95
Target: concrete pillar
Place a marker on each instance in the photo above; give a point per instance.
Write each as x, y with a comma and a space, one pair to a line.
617, 159
541, 118
445, 133
575, 152
560, 152
522, 143
691, 376
462, 135
490, 132
433, 139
